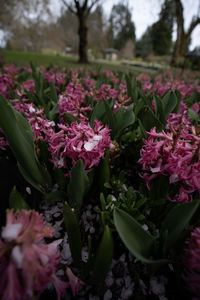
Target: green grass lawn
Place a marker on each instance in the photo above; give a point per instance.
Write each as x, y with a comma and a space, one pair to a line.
20, 58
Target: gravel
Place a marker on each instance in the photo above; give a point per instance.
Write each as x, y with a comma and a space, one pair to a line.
124, 273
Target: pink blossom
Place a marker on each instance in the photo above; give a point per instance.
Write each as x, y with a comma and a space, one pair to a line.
80, 141
107, 92
75, 283
174, 154
73, 101
29, 85
27, 264
42, 128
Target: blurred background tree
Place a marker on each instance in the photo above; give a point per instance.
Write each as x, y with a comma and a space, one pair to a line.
183, 36
121, 25
81, 9
161, 31
144, 46
34, 26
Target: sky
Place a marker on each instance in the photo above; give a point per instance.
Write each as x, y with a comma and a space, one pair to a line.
146, 12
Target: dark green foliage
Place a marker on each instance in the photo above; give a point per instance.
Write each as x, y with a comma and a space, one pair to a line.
161, 31
121, 25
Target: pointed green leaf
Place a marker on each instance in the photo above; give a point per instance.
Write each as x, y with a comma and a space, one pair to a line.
123, 119
53, 91
193, 116
102, 174
74, 234
98, 113
159, 110
176, 221
53, 112
69, 118
132, 89
56, 196
78, 185
138, 241
110, 117
148, 119
169, 102
16, 201
20, 137
103, 257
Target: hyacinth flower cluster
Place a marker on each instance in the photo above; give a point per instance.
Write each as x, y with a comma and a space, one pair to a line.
179, 121
106, 92
42, 128
27, 264
186, 86
191, 262
174, 153
73, 101
7, 81
79, 141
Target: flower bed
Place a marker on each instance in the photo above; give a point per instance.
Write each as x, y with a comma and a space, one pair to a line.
100, 184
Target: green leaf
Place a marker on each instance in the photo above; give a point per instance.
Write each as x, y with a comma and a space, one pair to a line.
159, 110
193, 116
148, 119
169, 102
53, 112
176, 221
103, 257
56, 196
78, 185
29, 179
60, 179
102, 174
20, 137
74, 234
124, 118
132, 89
138, 241
53, 91
98, 113
110, 117
69, 118
16, 201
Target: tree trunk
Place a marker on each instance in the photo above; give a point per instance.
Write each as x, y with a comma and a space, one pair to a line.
182, 36
83, 58
180, 32
179, 48
1, 57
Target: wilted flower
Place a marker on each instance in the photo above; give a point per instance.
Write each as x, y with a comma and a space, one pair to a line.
26, 264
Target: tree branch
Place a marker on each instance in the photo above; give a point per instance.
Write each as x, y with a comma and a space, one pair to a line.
192, 26
85, 4
69, 7
91, 6
179, 14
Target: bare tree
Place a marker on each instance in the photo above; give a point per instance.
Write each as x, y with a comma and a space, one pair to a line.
183, 36
18, 15
82, 10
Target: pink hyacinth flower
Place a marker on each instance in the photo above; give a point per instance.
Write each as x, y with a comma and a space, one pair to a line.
75, 283
27, 265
